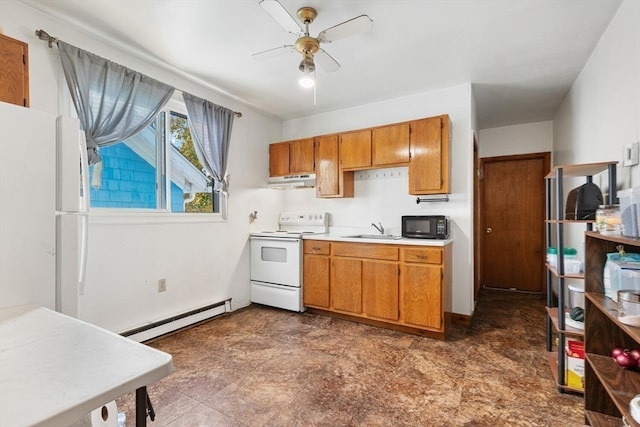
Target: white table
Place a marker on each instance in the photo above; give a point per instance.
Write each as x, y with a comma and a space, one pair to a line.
54, 369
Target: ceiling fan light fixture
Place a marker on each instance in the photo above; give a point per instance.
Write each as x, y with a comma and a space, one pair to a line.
307, 80
308, 68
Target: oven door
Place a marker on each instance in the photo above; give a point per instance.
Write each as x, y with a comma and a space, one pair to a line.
276, 260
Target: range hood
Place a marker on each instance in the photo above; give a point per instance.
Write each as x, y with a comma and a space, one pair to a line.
292, 181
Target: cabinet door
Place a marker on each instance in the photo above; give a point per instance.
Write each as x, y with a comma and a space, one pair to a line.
316, 281
380, 289
14, 71
355, 149
391, 145
327, 167
429, 164
346, 285
301, 156
422, 295
279, 159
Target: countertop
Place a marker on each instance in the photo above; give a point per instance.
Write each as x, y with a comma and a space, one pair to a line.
54, 369
398, 241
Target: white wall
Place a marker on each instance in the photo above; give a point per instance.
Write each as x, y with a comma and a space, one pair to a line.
203, 261
382, 195
517, 139
600, 114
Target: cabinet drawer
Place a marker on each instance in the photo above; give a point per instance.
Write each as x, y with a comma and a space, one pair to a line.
316, 247
425, 256
372, 251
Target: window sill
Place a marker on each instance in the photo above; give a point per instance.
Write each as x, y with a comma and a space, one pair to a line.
113, 216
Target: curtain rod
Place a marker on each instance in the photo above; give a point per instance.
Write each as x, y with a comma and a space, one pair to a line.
43, 35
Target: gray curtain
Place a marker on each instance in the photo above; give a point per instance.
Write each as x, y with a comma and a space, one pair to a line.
211, 126
112, 101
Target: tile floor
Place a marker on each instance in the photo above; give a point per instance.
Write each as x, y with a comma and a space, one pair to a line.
266, 367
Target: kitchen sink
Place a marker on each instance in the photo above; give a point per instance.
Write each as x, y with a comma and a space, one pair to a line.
374, 236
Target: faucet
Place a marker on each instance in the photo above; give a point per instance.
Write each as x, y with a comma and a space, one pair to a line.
378, 227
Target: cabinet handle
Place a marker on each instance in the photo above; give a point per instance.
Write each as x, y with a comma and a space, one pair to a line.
421, 257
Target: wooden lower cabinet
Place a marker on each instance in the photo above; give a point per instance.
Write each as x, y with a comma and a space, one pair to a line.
381, 292
315, 275
421, 295
400, 287
346, 285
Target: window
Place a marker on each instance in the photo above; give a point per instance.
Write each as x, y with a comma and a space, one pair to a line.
156, 169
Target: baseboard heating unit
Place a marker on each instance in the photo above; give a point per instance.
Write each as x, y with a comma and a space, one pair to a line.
177, 322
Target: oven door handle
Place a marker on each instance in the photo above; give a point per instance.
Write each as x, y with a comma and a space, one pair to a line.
275, 239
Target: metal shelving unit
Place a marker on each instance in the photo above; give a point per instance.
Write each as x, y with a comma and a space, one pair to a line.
555, 218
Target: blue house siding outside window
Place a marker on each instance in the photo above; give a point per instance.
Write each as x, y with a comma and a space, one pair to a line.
128, 181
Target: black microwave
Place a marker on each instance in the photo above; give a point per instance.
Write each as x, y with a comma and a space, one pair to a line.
425, 226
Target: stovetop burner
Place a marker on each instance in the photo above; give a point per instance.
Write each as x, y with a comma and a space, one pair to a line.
295, 225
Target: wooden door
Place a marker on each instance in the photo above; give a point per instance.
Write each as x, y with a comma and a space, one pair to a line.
301, 156
390, 145
380, 289
512, 216
355, 149
327, 167
346, 285
279, 159
14, 71
316, 280
422, 295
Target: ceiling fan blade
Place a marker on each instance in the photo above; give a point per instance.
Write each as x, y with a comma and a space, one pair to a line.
281, 16
326, 61
272, 53
357, 25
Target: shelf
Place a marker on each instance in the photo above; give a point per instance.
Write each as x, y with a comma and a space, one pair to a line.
610, 308
622, 385
570, 221
586, 169
614, 238
596, 419
554, 271
553, 314
552, 358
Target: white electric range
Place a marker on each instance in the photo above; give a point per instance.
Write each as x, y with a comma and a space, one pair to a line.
276, 259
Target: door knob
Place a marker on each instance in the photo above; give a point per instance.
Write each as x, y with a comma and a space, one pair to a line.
489, 230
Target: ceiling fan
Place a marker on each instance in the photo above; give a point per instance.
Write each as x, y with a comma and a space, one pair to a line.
306, 45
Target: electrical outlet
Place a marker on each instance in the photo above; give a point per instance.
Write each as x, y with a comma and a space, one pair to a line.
162, 285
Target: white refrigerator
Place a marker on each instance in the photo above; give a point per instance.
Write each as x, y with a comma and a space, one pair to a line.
43, 215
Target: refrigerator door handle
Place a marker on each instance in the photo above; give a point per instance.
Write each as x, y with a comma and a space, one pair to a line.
84, 249
84, 172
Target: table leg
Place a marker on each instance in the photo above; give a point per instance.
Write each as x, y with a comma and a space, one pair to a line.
141, 407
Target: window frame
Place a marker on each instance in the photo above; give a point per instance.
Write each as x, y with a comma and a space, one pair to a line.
163, 176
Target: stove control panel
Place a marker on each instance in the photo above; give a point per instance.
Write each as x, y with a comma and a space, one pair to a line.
295, 218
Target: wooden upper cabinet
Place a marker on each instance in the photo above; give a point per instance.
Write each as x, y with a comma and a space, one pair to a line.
291, 157
355, 149
390, 145
331, 180
301, 156
279, 159
14, 71
429, 165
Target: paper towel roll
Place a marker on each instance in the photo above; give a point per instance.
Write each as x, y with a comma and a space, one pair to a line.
104, 416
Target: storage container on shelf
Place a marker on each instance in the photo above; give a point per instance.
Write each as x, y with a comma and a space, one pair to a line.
628, 197
572, 265
608, 220
629, 307
576, 295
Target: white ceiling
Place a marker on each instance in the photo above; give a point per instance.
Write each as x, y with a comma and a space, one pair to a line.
520, 55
